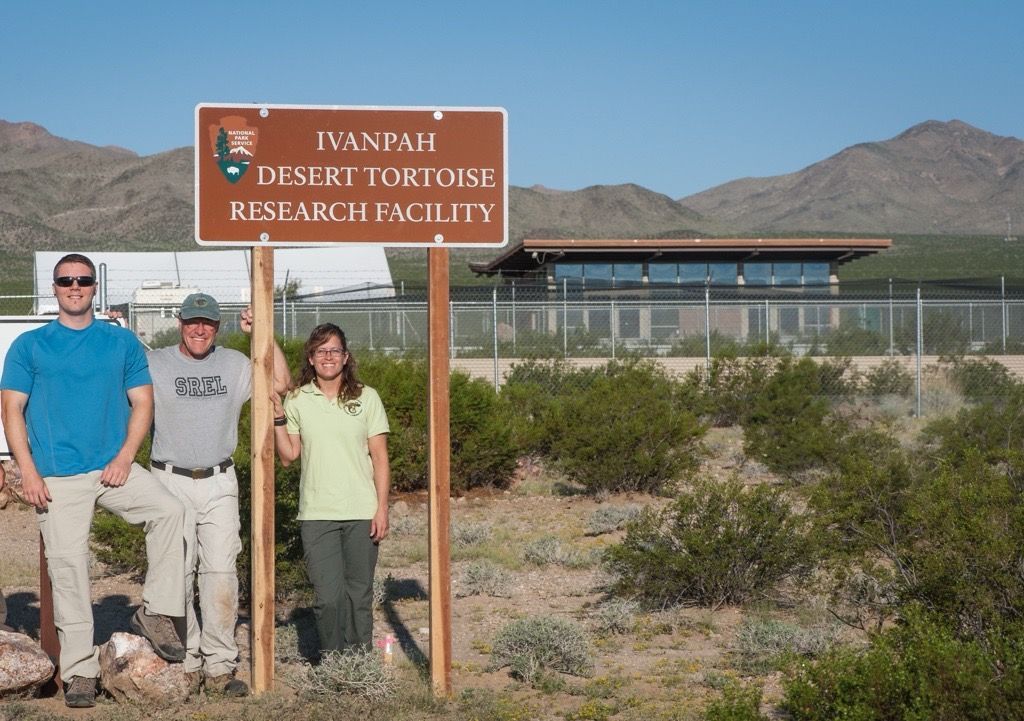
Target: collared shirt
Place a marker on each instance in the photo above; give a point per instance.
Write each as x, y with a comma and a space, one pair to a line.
336, 483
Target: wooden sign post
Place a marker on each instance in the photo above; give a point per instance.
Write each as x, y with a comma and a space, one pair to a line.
262, 482
273, 175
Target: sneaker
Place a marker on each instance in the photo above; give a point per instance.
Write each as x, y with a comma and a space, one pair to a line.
80, 692
160, 632
226, 685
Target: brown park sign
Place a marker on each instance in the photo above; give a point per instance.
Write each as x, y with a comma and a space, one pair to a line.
310, 175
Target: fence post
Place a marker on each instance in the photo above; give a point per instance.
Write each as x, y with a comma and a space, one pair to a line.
1002, 294
611, 327
707, 324
565, 317
494, 324
767, 330
920, 344
892, 344
103, 288
513, 319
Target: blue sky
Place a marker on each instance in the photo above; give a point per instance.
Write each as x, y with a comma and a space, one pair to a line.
675, 96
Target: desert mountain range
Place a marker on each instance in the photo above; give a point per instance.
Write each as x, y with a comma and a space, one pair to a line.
934, 178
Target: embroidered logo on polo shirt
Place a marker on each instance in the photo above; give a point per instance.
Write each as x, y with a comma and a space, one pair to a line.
353, 408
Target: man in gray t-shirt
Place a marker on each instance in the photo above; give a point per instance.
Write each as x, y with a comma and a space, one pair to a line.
199, 390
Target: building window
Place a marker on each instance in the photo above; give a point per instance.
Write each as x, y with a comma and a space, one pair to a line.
722, 273
662, 273
787, 273
571, 272
598, 274
628, 274
693, 273
816, 273
757, 273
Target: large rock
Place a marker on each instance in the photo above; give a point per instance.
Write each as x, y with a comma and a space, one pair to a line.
130, 670
24, 667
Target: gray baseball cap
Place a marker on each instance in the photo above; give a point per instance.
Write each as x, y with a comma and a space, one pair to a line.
200, 305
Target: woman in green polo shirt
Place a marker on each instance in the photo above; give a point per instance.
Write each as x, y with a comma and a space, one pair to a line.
338, 428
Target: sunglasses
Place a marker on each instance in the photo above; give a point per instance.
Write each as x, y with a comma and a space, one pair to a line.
66, 281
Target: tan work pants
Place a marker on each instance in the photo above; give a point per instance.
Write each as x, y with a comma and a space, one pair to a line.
64, 526
212, 543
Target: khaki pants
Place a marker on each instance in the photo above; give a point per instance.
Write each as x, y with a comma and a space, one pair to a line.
65, 530
212, 542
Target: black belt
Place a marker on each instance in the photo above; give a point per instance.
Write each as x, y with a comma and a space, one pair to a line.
196, 474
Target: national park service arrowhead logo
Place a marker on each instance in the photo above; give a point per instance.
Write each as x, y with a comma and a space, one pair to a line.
233, 142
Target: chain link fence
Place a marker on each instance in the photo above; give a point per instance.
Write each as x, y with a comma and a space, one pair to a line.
919, 326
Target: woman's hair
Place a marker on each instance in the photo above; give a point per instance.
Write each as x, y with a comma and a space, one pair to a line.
351, 387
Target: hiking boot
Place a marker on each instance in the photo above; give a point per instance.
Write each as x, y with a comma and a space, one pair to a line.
80, 692
226, 685
195, 682
159, 631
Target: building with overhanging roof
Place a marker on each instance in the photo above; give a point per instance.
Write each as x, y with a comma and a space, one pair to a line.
767, 262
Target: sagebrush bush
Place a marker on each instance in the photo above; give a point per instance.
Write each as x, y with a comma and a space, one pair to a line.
761, 644
719, 542
616, 615
483, 578
626, 431
534, 645
787, 426
467, 533
608, 519
549, 550
358, 673
917, 671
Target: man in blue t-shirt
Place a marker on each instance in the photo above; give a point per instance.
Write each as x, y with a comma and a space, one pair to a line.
77, 401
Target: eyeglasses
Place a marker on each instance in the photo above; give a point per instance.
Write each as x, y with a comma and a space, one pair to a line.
328, 352
66, 281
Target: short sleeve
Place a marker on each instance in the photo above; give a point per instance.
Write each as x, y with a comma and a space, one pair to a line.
136, 367
291, 412
18, 375
376, 418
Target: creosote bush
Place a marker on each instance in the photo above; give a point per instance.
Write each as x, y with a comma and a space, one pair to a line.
787, 426
915, 671
737, 703
628, 430
719, 542
532, 646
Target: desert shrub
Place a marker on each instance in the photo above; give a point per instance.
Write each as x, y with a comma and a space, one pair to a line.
787, 426
728, 388
549, 550
608, 519
625, 431
409, 525
763, 644
718, 543
482, 453
888, 378
737, 703
993, 431
118, 543
483, 578
980, 379
946, 536
357, 673
465, 534
915, 672
616, 615
852, 340
837, 378
534, 645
